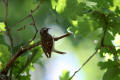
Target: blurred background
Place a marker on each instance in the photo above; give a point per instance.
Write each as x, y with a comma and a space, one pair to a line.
61, 16
71, 61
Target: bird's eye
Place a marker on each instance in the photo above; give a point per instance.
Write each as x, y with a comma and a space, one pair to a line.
45, 29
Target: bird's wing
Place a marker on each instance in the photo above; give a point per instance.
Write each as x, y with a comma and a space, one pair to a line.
47, 45
50, 43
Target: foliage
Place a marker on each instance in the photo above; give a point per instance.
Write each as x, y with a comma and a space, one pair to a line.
2, 26
4, 58
65, 75
25, 63
80, 17
112, 70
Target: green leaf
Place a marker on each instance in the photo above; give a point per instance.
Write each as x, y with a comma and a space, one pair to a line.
29, 60
115, 25
117, 10
103, 3
2, 40
65, 75
80, 28
2, 27
108, 39
112, 74
23, 77
107, 65
37, 52
4, 55
19, 64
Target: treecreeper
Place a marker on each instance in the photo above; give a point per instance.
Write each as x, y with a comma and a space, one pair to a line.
47, 42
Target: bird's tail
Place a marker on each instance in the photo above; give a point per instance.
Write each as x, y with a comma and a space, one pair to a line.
59, 52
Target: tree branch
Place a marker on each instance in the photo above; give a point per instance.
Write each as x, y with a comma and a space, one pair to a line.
28, 62
101, 45
34, 25
29, 15
8, 32
22, 50
65, 35
83, 64
7, 29
19, 53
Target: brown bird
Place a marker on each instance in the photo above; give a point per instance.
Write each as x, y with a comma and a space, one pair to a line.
48, 42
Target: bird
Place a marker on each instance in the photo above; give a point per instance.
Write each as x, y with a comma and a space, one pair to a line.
47, 42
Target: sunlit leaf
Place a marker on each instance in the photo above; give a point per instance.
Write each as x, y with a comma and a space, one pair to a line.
65, 75
4, 55
2, 26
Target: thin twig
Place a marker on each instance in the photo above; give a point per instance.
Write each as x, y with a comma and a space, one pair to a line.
65, 35
24, 27
103, 37
19, 52
7, 29
8, 33
21, 20
34, 25
22, 50
101, 45
83, 64
33, 55
36, 30
28, 16
29, 60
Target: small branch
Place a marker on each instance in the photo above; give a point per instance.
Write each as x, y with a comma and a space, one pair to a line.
103, 37
34, 25
24, 27
7, 29
21, 20
29, 15
65, 35
8, 33
83, 64
22, 50
29, 60
19, 53
101, 45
